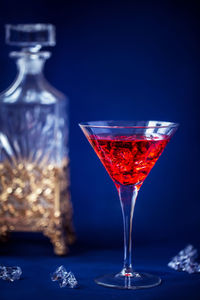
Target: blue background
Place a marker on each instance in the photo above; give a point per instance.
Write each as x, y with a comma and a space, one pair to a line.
124, 60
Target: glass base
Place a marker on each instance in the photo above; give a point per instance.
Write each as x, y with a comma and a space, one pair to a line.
136, 281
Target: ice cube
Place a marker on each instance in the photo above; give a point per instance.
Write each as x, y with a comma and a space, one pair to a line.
185, 260
64, 277
10, 273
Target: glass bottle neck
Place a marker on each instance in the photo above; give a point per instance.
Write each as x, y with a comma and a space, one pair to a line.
30, 63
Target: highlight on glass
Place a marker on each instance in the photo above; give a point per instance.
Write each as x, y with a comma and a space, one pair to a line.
128, 150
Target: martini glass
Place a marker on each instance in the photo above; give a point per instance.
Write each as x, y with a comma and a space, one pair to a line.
128, 150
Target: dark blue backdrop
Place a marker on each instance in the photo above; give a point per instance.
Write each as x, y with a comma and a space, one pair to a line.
125, 60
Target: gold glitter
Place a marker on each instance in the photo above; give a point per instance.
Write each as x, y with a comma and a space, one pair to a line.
38, 191
50, 167
57, 214
29, 167
4, 228
47, 192
20, 166
11, 209
47, 181
4, 197
32, 197
9, 190
41, 209
29, 213
36, 197
18, 191
35, 208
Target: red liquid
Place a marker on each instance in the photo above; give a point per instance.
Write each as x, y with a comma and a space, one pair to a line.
128, 160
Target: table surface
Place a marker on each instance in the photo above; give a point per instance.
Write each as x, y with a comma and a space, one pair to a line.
34, 255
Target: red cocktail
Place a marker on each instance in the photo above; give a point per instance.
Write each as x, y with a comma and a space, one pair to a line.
128, 151
128, 160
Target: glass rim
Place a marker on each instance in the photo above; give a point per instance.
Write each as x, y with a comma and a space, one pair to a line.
94, 124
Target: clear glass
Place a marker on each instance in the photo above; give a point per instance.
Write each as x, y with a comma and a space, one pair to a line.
30, 35
128, 150
34, 158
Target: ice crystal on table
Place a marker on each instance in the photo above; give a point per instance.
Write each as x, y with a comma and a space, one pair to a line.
64, 278
10, 273
185, 260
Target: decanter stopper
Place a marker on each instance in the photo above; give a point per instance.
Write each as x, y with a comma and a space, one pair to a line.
33, 36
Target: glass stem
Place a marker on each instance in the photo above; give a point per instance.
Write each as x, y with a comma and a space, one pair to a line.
127, 195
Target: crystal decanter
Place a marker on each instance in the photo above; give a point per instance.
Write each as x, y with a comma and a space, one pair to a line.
34, 162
